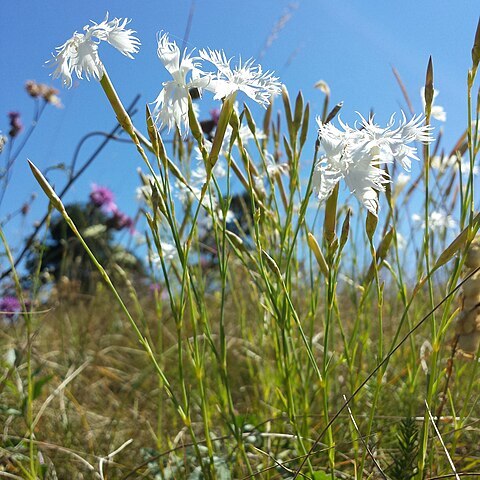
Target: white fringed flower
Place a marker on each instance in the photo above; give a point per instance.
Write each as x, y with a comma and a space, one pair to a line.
356, 155
79, 54
391, 144
119, 37
247, 77
144, 192
199, 174
168, 253
171, 105
443, 163
438, 221
275, 169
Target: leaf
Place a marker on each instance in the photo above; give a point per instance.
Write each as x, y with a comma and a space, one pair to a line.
39, 384
476, 47
321, 475
458, 243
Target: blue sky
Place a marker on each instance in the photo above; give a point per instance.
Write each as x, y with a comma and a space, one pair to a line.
352, 45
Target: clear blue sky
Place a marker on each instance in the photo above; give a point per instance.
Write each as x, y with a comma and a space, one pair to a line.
350, 44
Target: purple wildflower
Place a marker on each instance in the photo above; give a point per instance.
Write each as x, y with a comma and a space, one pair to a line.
121, 220
103, 197
215, 114
10, 306
208, 126
16, 125
157, 289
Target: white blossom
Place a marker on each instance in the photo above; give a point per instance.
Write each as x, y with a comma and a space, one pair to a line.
259, 185
204, 225
229, 217
168, 252
401, 241
346, 157
273, 168
356, 155
246, 134
119, 37
199, 174
245, 77
465, 167
79, 53
442, 163
171, 105
205, 222
187, 195
437, 221
390, 144
144, 192
402, 180
184, 194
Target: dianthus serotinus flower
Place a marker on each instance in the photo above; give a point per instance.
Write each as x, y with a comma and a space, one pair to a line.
357, 154
79, 53
245, 77
171, 105
438, 221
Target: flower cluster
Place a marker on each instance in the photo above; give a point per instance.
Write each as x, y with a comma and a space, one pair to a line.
16, 125
121, 220
9, 306
171, 105
79, 54
208, 126
168, 253
356, 155
103, 198
442, 163
41, 90
438, 221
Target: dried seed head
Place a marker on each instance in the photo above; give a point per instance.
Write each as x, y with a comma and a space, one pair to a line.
468, 322
472, 302
469, 343
472, 286
473, 255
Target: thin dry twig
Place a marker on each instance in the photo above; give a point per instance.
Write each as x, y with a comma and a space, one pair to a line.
403, 89
450, 461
